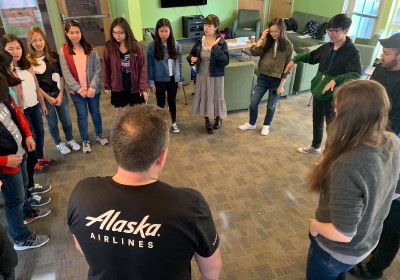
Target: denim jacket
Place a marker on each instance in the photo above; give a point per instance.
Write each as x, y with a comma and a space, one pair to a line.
218, 60
158, 69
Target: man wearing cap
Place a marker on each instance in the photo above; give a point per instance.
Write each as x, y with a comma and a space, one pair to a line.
388, 74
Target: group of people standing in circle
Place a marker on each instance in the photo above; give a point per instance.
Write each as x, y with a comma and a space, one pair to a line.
357, 177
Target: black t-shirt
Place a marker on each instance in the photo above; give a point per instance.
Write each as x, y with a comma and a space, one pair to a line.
126, 70
391, 81
147, 232
51, 76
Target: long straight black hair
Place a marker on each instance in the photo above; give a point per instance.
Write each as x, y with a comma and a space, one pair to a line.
87, 48
129, 37
5, 62
282, 35
4, 95
158, 49
23, 63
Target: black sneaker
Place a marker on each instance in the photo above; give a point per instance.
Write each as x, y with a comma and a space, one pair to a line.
39, 213
37, 200
39, 189
35, 241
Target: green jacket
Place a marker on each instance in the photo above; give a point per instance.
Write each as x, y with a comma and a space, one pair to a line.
341, 65
270, 65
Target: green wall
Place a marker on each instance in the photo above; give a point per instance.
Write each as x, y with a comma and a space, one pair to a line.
119, 9
151, 11
326, 8
129, 10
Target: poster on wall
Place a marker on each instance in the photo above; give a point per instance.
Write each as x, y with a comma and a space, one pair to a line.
18, 16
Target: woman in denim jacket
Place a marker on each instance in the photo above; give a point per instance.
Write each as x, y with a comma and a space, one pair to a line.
210, 55
81, 68
164, 64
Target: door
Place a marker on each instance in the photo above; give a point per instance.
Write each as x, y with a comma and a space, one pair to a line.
93, 17
280, 9
253, 5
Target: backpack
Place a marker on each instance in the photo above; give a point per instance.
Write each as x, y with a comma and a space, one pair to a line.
228, 33
321, 31
291, 24
311, 28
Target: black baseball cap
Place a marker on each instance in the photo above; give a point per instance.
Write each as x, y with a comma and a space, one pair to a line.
393, 42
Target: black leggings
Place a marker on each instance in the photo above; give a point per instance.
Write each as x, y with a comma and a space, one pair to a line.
171, 88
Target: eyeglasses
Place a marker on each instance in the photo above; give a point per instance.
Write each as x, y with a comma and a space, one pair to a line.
118, 33
333, 31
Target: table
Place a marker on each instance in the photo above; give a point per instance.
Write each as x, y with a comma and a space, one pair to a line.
233, 45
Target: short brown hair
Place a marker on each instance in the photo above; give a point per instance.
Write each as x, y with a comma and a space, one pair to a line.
139, 136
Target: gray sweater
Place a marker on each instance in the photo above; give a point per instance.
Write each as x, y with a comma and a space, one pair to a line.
358, 197
93, 73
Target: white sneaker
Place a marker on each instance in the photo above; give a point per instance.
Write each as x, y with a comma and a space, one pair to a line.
309, 150
73, 145
265, 130
247, 126
175, 128
103, 141
86, 147
63, 148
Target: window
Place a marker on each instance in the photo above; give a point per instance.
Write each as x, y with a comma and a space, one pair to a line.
395, 26
364, 14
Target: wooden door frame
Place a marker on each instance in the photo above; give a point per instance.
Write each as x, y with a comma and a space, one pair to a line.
263, 19
105, 6
269, 8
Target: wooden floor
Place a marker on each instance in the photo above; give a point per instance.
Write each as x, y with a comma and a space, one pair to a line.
255, 186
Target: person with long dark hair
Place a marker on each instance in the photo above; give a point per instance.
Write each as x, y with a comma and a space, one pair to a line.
81, 68
22, 80
210, 55
125, 70
356, 179
15, 141
275, 52
164, 61
46, 65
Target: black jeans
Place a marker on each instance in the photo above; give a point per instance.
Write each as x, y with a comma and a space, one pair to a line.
389, 242
171, 88
8, 256
322, 110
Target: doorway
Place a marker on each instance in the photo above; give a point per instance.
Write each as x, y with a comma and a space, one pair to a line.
93, 16
280, 9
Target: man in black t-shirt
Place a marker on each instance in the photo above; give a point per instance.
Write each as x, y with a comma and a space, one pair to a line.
133, 226
388, 74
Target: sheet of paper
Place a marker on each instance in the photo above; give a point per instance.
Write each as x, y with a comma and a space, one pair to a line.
304, 36
290, 31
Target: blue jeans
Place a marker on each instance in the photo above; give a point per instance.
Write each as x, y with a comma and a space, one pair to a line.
34, 117
14, 199
82, 105
264, 83
62, 112
322, 266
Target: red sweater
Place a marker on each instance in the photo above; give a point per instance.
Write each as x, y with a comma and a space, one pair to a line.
26, 132
113, 72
